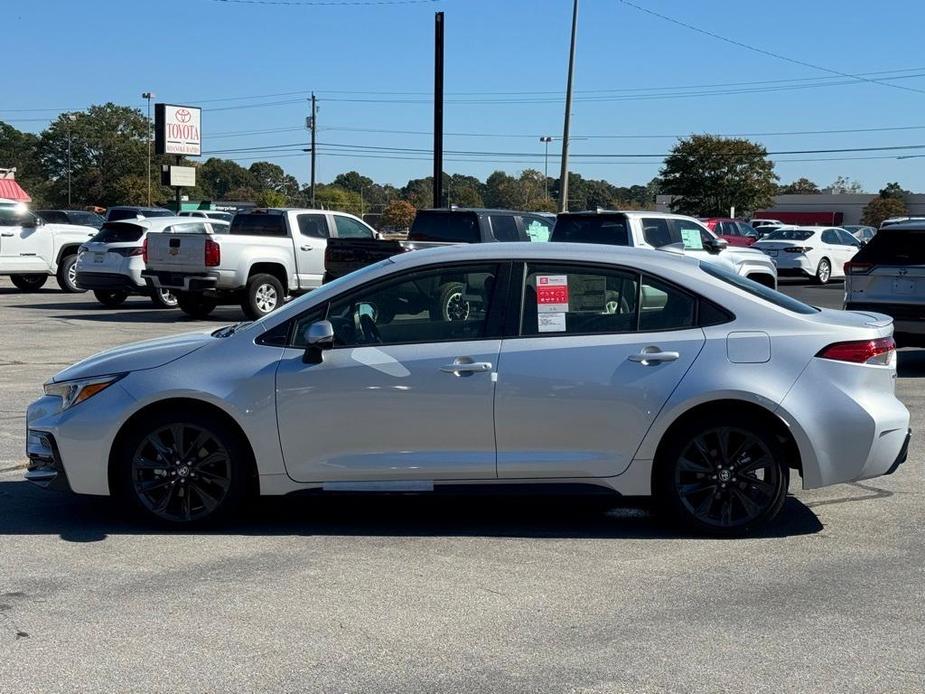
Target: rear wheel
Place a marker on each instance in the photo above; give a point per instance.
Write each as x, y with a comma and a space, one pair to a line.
264, 294
823, 272
28, 283
722, 478
195, 305
67, 275
182, 468
164, 298
110, 298
451, 304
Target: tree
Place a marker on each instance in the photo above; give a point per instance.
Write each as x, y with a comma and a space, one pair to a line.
270, 198
419, 192
19, 150
842, 185
398, 214
354, 181
219, 177
712, 174
333, 197
241, 194
881, 208
801, 186
894, 190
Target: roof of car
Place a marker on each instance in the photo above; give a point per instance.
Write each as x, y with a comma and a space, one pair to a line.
151, 222
909, 225
476, 210
629, 213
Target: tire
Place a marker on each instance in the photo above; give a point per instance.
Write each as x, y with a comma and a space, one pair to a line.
264, 294
450, 305
823, 272
29, 283
67, 275
110, 298
195, 305
698, 486
181, 468
164, 298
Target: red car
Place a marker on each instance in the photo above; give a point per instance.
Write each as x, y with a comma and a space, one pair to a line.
736, 232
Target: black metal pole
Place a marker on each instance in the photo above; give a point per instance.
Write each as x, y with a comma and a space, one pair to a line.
563, 176
314, 128
179, 159
438, 109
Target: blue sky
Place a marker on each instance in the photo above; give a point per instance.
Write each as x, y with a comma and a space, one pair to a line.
371, 67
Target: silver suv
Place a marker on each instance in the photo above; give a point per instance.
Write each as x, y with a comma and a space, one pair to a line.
888, 276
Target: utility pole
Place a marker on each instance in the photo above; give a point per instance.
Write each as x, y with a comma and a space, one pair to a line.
438, 109
563, 176
312, 124
546, 139
71, 118
148, 96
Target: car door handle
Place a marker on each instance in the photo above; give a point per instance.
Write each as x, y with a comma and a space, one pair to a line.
8, 233
654, 357
473, 367
306, 247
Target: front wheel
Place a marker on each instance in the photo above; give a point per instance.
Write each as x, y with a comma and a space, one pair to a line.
722, 478
28, 283
195, 305
451, 303
110, 298
67, 275
823, 272
181, 468
164, 298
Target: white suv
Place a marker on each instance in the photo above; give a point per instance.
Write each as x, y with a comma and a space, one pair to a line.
111, 262
888, 276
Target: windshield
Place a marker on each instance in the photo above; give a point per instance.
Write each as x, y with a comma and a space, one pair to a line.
118, 232
447, 227
759, 290
788, 235
611, 230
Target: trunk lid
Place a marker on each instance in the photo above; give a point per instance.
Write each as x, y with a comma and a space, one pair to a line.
181, 252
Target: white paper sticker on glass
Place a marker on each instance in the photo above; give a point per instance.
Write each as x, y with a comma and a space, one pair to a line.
551, 322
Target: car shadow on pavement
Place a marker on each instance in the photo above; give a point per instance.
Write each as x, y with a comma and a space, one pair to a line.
137, 312
27, 510
910, 363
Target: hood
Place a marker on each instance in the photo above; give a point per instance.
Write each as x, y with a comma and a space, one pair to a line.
75, 231
744, 251
136, 356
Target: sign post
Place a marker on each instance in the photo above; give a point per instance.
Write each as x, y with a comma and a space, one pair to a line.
178, 131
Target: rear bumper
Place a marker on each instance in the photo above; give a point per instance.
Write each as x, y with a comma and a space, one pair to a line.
908, 319
159, 279
108, 280
903, 454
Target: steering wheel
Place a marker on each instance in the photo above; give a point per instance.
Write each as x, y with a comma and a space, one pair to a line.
370, 331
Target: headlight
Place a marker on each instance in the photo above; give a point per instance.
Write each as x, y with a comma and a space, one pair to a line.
75, 392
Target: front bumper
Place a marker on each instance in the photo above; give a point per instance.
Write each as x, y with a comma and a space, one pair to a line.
45, 468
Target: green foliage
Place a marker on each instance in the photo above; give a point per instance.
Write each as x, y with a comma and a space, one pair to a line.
218, 177
711, 174
881, 208
801, 186
270, 198
333, 197
353, 181
842, 185
398, 214
894, 190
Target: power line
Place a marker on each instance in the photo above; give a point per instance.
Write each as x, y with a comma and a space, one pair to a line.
327, 3
764, 51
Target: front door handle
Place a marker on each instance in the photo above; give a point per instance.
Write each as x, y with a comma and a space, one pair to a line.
8, 233
306, 247
462, 368
653, 355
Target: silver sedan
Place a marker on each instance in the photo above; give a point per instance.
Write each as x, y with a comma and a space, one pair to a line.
638, 372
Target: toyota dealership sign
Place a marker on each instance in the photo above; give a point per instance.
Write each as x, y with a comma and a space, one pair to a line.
177, 129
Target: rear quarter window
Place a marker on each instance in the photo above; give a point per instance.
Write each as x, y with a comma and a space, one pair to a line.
450, 227
610, 230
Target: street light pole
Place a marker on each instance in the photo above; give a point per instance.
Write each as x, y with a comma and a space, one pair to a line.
149, 96
546, 139
563, 177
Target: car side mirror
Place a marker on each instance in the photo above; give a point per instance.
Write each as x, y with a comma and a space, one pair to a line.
751, 235
319, 336
717, 245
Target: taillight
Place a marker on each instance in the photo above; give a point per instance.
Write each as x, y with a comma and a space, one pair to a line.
852, 268
798, 249
880, 351
213, 254
144, 250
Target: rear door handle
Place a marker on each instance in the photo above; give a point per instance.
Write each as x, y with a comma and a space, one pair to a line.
460, 368
8, 233
306, 248
656, 356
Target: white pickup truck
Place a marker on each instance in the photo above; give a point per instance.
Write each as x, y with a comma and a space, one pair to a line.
31, 251
267, 255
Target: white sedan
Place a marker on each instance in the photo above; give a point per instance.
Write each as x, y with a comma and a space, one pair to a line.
819, 253
560, 366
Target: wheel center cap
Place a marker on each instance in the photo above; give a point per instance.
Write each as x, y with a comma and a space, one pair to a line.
725, 475
183, 471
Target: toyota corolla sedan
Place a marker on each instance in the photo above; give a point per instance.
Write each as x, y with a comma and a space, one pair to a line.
635, 371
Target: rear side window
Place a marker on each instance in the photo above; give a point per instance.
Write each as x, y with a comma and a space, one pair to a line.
770, 295
607, 229
451, 227
53, 216
259, 224
662, 307
119, 232
894, 247
86, 218
348, 228
503, 227
313, 225
657, 232
537, 228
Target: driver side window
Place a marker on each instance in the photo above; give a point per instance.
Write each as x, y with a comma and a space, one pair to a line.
445, 305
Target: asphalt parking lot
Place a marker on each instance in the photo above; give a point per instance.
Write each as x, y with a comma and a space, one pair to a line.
412, 594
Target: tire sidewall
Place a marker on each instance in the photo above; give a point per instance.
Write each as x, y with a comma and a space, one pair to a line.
110, 298
819, 279
194, 305
29, 282
121, 468
249, 305
669, 502
64, 282
158, 300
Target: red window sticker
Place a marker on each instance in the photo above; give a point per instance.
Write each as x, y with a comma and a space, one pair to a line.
552, 293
